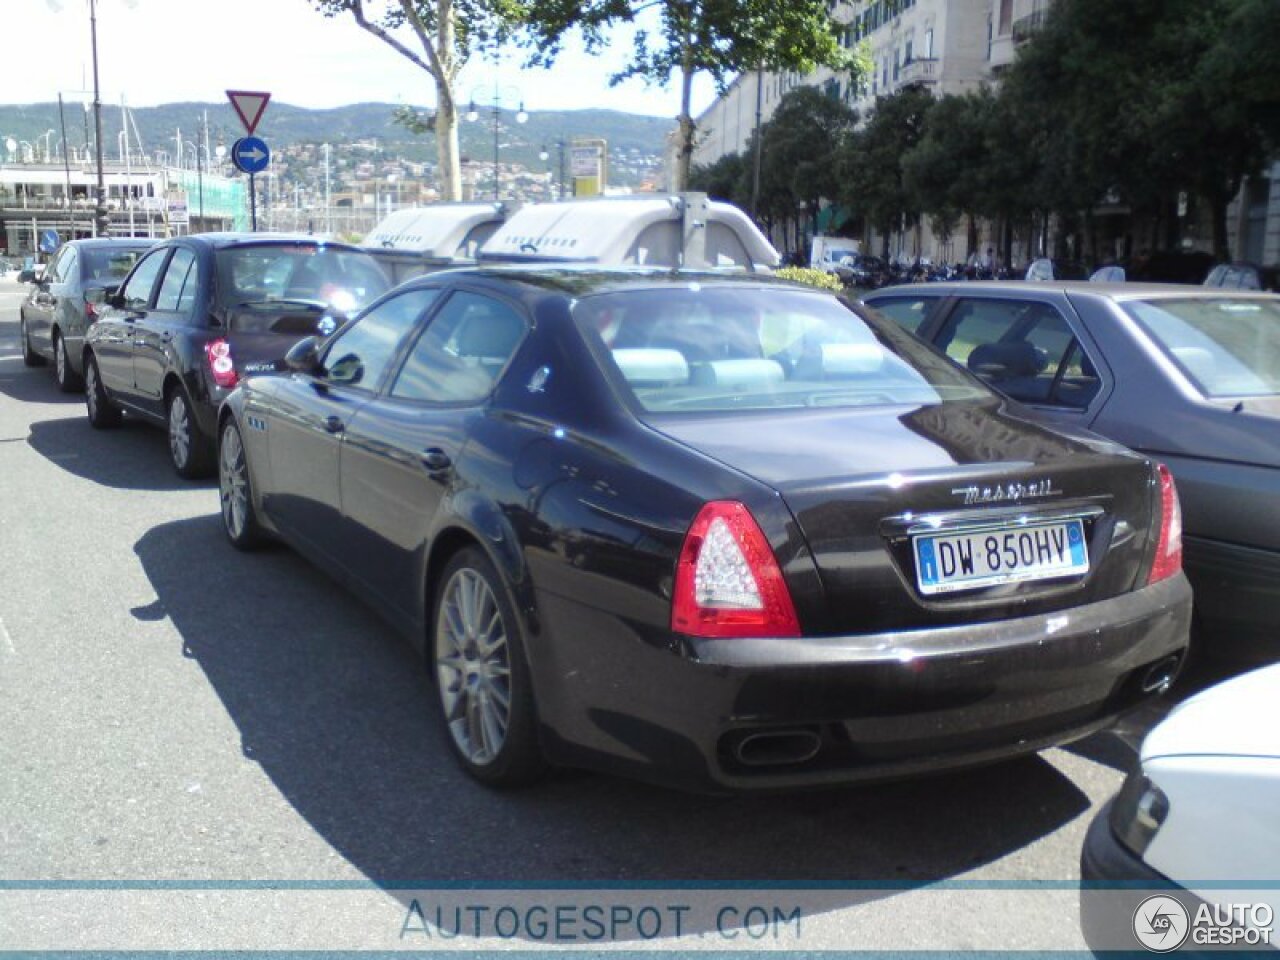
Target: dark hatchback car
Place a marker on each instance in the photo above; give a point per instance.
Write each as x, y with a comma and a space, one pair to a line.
54, 317
1187, 375
197, 312
717, 531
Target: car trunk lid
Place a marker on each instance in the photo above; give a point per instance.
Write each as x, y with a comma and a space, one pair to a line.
862, 484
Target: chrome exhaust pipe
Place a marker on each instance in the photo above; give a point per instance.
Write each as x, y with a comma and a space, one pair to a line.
1159, 677
777, 747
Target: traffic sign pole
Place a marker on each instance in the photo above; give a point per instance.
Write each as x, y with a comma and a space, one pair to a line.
253, 202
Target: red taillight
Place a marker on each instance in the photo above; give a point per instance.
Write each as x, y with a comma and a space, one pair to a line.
728, 583
90, 312
1168, 559
218, 353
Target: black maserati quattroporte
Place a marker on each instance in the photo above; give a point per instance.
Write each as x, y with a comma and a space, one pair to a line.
717, 531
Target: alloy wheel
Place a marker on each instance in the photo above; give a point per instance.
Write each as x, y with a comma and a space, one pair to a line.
60, 360
179, 430
233, 483
91, 389
473, 667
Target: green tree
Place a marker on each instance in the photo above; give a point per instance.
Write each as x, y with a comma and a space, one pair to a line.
800, 150
720, 37
726, 179
871, 171
437, 36
1145, 99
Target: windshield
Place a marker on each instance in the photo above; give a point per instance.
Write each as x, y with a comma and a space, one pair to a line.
109, 266
343, 279
694, 349
1227, 347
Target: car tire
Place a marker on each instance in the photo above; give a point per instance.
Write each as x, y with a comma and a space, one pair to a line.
483, 686
68, 380
189, 449
103, 414
235, 490
29, 357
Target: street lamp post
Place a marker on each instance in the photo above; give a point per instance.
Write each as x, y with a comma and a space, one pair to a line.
495, 101
101, 221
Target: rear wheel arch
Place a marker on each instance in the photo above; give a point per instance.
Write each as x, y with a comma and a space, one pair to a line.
502, 550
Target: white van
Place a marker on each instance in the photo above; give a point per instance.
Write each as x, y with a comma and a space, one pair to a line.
666, 230
409, 243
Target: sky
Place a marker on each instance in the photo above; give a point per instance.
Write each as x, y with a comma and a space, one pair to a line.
165, 51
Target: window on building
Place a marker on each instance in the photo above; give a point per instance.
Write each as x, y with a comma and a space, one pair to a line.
906, 53
928, 44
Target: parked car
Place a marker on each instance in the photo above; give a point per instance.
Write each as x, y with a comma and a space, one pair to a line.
53, 319
709, 529
1195, 822
198, 311
1188, 375
1244, 276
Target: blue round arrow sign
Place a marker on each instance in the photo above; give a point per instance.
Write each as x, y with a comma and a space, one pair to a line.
250, 154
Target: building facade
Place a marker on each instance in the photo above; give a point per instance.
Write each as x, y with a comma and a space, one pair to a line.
142, 201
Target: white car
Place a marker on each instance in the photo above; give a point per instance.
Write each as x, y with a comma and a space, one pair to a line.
1199, 819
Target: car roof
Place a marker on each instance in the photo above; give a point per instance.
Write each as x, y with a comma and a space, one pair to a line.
1112, 291
587, 279
142, 242
223, 240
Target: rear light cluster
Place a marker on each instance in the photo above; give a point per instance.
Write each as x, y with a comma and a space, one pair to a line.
728, 583
221, 366
90, 312
1168, 559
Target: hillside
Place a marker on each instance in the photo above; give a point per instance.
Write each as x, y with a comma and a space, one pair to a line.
284, 124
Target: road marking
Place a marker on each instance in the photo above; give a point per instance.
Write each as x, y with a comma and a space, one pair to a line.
8, 640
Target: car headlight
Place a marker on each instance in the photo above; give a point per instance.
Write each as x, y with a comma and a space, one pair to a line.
1138, 812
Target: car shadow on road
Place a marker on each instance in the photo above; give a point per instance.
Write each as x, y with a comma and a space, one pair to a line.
337, 710
134, 456
32, 384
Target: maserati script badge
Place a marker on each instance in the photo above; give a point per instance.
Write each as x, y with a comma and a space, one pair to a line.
1005, 492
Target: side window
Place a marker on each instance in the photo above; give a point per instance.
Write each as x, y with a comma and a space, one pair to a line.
1025, 350
68, 264
910, 313
178, 288
137, 292
460, 355
359, 356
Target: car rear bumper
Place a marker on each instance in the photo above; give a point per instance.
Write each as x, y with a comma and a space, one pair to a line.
1237, 598
744, 714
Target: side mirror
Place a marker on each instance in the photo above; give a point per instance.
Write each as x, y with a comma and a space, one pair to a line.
304, 356
27, 276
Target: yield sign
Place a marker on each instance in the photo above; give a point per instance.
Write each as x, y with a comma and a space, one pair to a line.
250, 106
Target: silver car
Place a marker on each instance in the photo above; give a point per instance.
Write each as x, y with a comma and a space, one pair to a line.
1187, 375
56, 313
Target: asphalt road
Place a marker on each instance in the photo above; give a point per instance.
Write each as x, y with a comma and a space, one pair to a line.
172, 709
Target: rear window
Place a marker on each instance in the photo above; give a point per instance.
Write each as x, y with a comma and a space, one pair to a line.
108, 267
1226, 347
694, 349
266, 273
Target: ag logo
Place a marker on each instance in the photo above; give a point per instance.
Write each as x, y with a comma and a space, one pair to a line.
1161, 924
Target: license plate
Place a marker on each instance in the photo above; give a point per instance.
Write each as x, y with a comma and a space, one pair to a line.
985, 557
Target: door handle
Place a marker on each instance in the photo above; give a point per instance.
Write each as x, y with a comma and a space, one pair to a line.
334, 424
436, 460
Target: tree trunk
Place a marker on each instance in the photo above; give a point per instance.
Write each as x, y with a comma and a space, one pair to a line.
448, 162
684, 156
